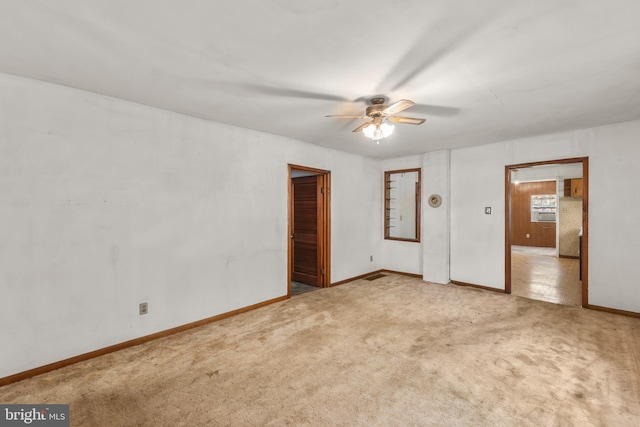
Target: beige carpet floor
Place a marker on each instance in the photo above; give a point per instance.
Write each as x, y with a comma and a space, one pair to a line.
392, 352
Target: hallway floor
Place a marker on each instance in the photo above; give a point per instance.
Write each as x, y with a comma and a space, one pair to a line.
298, 288
536, 273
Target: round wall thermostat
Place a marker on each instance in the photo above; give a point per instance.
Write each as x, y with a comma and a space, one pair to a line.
435, 200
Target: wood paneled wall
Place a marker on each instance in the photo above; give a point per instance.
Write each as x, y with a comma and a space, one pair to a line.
541, 234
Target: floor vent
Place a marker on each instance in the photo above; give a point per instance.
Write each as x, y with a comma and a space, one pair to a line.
375, 276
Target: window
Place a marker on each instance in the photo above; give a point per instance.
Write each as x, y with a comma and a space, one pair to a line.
402, 205
543, 207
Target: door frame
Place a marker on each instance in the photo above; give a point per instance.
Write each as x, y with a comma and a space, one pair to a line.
324, 225
584, 248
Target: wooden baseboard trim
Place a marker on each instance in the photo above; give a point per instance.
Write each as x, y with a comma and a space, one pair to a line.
613, 310
371, 273
137, 341
362, 276
568, 256
417, 276
473, 285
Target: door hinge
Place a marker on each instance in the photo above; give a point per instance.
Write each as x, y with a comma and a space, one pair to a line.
322, 190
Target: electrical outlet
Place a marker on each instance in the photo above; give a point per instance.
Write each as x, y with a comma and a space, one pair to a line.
144, 308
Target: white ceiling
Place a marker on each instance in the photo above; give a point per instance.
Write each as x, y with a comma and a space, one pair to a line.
480, 71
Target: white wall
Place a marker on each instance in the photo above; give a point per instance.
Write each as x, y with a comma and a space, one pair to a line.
477, 239
106, 204
548, 172
477, 180
436, 220
357, 192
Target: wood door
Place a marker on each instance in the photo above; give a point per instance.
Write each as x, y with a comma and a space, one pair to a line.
307, 213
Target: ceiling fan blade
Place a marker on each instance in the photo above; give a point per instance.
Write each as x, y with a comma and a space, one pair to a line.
444, 39
291, 93
346, 117
362, 126
396, 107
406, 120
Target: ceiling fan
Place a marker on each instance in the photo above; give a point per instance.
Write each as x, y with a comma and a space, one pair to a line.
380, 114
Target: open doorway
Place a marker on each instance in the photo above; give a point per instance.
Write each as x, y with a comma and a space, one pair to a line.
546, 231
309, 229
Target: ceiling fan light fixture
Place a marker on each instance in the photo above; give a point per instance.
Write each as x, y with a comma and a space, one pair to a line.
382, 118
369, 131
378, 131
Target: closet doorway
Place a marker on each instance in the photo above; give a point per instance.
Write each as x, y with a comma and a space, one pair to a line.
309, 229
